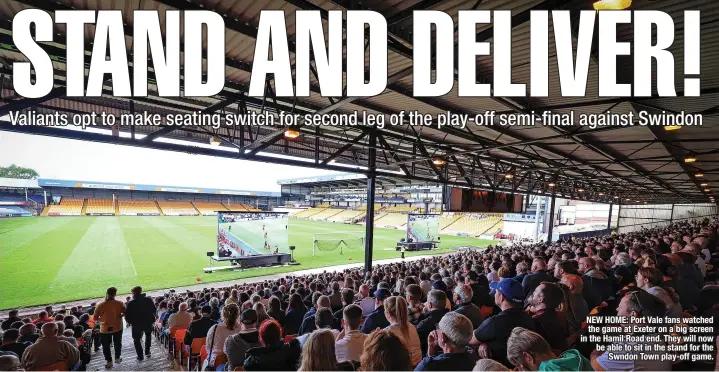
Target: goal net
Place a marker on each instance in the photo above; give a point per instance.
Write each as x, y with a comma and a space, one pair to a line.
336, 241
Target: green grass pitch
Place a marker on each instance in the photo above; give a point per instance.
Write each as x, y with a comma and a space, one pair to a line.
56, 259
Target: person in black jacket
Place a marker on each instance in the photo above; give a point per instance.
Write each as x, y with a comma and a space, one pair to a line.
535, 278
463, 298
436, 305
200, 327
140, 314
275, 355
480, 292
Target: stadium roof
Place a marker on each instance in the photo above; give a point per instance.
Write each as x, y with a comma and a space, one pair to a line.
48, 182
644, 164
353, 180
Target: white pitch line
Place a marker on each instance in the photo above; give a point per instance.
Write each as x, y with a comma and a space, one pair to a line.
131, 260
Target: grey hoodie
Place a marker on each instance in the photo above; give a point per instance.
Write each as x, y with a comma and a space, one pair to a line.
674, 309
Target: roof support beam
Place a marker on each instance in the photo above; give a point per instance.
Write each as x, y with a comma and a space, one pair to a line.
344, 148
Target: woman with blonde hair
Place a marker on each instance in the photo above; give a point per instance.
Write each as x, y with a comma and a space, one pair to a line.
261, 313
384, 351
318, 353
395, 310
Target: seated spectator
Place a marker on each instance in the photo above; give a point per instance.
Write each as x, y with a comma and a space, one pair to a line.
275, 310
199, 328
335, 297
261, 312
43, 317
491, 337
180, 319
50, 350
175, 308
366, 302
575, 284
522, 271
415, 307
308, 323
9, 362
9, 342
650, 280
549, 323
84, 322
348, 298
274, 354
384, 351
489, 365
64, 337
295, 313
535, 278
377, 318
237, 345
323, 320
624, 269
594, 278
218, 333
215, 315
463, 298
12, 318
350, 342
689, 282
434, 312
634, 304
529, 351
480, 289
453, 334
395, 309
318, 353
28, 333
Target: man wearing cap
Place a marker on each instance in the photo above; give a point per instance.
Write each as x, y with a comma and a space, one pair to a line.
200, 327
491, 337
480, 292
377, 319
237, 344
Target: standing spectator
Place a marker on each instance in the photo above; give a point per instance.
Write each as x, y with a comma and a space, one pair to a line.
384, 351
109, 313
237, 345
49, 350
295, 313
395, 309
452, 336
491, 337
12, 318
350, 342
318, 354
140, 314
377, 318
199, 328
10, 343
463, 299
273, 355
528, 351
218, 333
434, 312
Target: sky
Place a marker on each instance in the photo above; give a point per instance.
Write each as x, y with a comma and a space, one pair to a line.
89, 161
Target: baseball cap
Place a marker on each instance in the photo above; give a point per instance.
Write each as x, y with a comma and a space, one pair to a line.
382, 294
248, 316
439, 285
509, 288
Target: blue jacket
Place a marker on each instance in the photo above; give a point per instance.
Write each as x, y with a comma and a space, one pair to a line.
375, 320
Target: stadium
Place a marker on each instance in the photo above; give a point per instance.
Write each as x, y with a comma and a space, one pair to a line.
293, 234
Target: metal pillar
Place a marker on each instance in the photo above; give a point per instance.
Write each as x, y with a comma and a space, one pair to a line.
550, 228
369, 219
536, 218
671, 216
609, 219
26, 194
44, 193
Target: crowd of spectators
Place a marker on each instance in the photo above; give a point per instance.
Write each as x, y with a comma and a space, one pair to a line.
520, 307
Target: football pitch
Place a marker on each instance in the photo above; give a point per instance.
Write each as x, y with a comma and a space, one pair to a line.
57, 259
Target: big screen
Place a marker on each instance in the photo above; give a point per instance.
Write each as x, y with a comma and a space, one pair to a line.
422, 227
242, 234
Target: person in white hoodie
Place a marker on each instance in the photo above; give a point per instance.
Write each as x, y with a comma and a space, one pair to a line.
650, 280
